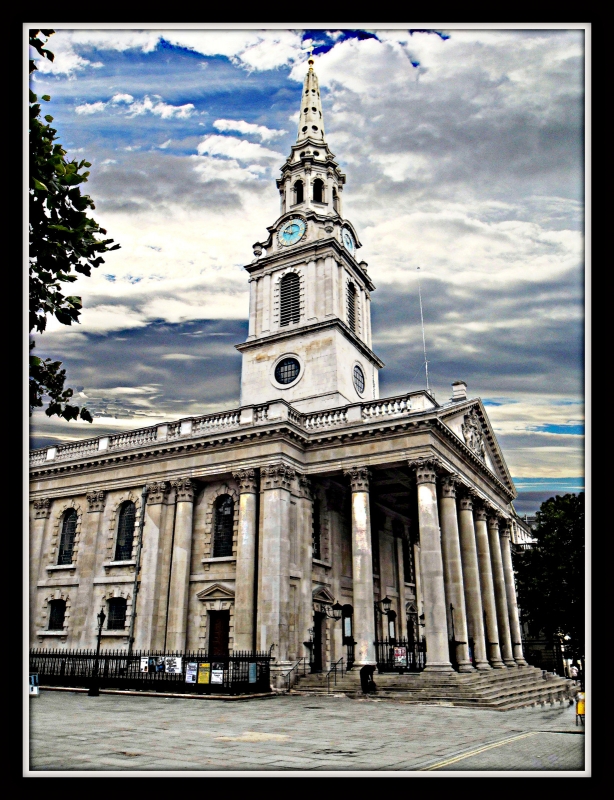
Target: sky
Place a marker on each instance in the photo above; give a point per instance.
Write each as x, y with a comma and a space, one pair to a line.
464, 156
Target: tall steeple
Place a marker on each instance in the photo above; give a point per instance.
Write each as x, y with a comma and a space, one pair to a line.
311, 120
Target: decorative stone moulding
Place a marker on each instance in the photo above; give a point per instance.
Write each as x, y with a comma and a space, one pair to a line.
278, 476
247, 480
184, 488
95, 500
304, 486
359, 478
42, 508
157, 492
449, 484
426, 469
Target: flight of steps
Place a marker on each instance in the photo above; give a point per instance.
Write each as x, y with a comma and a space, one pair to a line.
496, 689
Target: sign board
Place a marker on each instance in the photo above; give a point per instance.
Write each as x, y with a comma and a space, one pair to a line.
156, 664
400, 655
204, 671
144, 664
191, 669
172, 665
33, 685
217, 673
252, 673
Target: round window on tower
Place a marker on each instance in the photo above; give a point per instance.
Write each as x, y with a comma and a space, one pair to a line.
359, 379
287, 371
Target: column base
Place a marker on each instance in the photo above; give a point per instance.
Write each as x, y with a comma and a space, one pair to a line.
497, 664
439, 666
520, 662
465, 666
510, 663
482, 665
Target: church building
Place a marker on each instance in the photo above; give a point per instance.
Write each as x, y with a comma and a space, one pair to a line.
317, 520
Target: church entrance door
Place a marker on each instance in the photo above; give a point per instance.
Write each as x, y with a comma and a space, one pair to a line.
318, 631
219, 632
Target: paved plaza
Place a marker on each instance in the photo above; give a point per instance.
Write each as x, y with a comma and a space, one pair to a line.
70, 731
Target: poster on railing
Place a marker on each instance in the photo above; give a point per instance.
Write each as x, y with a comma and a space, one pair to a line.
191, 669
252, 673
204, 671
217, 673
156, 664
172, 665
400, 656
144, 664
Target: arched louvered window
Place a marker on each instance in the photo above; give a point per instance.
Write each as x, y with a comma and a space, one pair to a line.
289, 299
351, 306
298, 192
117, 613
57, 612
317, 530
67, 537
125, 532
318, 191
223, 524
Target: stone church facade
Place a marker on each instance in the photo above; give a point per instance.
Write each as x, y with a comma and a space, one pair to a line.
242, 530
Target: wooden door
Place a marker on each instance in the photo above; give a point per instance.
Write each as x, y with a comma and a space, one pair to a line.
219, 631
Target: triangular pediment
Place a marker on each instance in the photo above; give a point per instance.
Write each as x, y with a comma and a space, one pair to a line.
322, 595
216, 592
469, 422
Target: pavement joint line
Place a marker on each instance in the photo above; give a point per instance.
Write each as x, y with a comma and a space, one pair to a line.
460, 757
165, 695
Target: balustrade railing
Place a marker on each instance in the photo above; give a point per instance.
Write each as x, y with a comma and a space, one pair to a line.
121, 441
261, 414
214, 421
38, 457
386, 408
325, 419
76, 449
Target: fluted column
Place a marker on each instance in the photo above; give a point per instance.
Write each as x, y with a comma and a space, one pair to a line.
503, 623
510, 592
179, 590
274, 611
431, 563
488, 589
362, 568
146, 615
244, 632
453, 571
471, 581
305, 558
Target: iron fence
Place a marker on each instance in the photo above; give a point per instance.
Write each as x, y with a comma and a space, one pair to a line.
178, 672
400, 655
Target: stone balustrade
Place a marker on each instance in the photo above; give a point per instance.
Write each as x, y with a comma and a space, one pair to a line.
357, 413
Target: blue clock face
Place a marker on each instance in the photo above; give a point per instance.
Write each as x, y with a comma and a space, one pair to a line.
291, 231
348, 241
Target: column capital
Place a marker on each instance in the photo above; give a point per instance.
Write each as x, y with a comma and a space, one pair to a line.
426, 469
449, 483
277, 476
505, 528
157, 492
247, 479
359, 478
304, 486
184, 490
467, 499
494, 516
480, 511
95, 500
42, 507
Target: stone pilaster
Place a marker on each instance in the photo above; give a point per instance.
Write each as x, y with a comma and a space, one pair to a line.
179, 589
488, 590
510, 592
273, 614
431, 563
471, 581
42, 508
503, 623
244, 619
81, 618
362, 567
453, 571
305, 558
146, 606
402, 618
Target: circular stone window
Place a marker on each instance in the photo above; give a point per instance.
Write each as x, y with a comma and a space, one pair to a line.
359, 379
287, 370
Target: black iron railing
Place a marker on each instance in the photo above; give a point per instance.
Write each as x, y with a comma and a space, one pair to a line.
190, 672
400, 655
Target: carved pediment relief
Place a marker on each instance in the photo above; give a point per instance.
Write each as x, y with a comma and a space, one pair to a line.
473, 435
216, 592
322, 595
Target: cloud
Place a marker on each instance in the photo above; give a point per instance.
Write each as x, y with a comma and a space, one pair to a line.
233, 147
136, 108
265, 134
91, 108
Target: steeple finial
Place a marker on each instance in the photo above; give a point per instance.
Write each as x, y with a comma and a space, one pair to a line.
311, 122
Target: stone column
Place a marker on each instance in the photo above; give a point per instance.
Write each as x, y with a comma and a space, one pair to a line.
90, 527
145, 621
471, 581
42, 508
273, 613
510, 591
179, 590
402, 618
503, 623
246, 560
488, 590
362, 568
431, 564
305, 558
453, 571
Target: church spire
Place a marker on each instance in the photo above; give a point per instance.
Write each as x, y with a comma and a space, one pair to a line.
311, 121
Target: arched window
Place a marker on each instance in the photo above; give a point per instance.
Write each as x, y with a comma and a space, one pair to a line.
223, 523
117, 613
125, 532
298, 192
67, 537
351, 301
318, 191
289, 299
316, 530
335, 201
57, 612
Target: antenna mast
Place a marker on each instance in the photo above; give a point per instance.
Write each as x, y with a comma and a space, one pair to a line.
426, 363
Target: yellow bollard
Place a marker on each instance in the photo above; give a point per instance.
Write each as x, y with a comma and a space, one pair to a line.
580, 697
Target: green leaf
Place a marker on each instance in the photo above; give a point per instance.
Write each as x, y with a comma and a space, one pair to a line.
40, 186
48, 117
46, 97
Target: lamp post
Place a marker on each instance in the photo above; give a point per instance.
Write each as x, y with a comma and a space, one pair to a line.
386, 603
335, 612
94, 689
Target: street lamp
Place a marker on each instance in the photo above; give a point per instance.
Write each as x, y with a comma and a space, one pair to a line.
335, 612
94, 689
386, 603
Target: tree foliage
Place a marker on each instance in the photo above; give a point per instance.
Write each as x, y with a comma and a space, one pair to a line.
550, 574
64, 242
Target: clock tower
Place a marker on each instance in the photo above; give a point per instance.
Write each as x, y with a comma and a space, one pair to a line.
309, 339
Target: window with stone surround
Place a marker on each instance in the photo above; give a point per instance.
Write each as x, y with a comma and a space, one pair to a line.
351, 306
289, 299
67, 537
223, 526
57, 613
125, 532
318, 191
117, 613
298, 192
